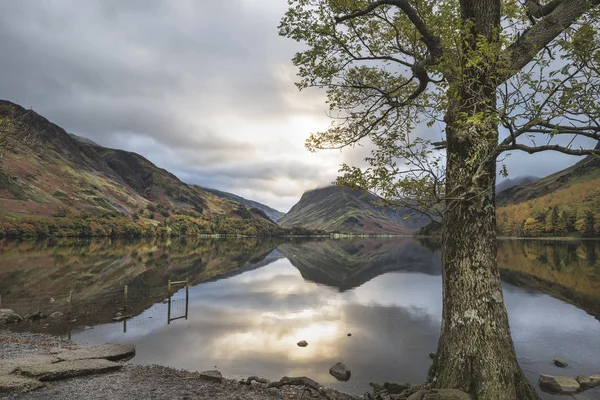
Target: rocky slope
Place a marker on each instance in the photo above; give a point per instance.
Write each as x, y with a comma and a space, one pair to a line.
340, 209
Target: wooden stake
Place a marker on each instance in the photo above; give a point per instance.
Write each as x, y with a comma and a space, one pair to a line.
187, 296
169, 297
70, 300
125, 297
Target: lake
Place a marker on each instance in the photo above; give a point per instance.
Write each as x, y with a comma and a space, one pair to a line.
251, 300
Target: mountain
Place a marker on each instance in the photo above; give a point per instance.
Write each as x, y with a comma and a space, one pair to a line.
566, 203
341, 209
55, 183
511, 182
273, 214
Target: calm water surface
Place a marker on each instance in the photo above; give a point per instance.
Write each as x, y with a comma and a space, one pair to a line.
251, 301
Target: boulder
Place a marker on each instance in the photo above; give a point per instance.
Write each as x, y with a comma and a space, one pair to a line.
559, 384
212, 376
560, 363
439, 394
302, 343
36, 316
8, 316
68, 369
56, 314
107, 351
588, 382
18, 384
340, 372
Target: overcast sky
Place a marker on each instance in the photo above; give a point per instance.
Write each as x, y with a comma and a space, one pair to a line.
202, 88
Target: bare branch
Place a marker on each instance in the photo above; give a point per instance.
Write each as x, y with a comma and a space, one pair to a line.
560, 149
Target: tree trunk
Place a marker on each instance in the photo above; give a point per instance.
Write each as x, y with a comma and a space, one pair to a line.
475, 351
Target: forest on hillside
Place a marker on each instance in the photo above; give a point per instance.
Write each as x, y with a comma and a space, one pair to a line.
572, 211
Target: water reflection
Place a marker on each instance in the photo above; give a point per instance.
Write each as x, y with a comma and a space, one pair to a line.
253, 300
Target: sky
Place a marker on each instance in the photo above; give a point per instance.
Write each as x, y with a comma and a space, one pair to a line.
202, 88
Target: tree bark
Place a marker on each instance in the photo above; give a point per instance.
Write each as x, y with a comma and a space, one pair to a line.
475, 351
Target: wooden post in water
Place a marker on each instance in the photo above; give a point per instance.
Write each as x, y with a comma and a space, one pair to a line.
187, 296
169, 297
70, 302
125, 297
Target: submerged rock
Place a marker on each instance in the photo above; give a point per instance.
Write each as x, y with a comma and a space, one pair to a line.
213, 376
340, 372
302, 343
559, 384
560, 363
588, 382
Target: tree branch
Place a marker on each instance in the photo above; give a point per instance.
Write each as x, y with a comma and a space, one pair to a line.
564, 13
433, 43
560, 149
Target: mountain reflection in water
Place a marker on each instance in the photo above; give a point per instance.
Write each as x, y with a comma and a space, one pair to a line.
251, 300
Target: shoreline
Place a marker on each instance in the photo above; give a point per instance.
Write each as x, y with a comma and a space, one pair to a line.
132, 381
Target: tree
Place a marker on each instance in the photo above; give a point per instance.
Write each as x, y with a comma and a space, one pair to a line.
390, 67
589, 224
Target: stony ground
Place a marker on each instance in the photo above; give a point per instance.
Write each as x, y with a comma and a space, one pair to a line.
133, 381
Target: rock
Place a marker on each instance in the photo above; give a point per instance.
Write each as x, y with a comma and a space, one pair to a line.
559, 384
588, 382
302, 343
121, 318
68, 369
340, 372
8, 316
349, 335
396, 387
212, 376
18, 384
117, 315
9, 365
560, 363
107, 351
439, 394
56, 314
432, 356
36, 316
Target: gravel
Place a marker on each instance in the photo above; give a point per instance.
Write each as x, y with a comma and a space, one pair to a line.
137, 381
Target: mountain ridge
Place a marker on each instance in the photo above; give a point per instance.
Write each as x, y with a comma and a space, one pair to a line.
344, 210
